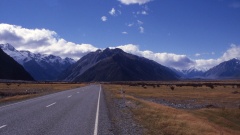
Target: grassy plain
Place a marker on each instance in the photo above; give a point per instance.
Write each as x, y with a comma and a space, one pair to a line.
19, 91
182, 108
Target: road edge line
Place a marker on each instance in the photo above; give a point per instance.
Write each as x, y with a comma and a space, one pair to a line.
97, 113
51, 104
3, 126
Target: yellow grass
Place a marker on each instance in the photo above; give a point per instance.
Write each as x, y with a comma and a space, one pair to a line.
159, 119
20, 91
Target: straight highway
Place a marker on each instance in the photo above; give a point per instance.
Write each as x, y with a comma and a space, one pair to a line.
80, 111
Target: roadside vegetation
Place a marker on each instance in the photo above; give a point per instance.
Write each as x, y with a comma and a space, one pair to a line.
181, 108
10, 92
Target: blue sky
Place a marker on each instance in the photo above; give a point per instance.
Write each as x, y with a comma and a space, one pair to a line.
197, 29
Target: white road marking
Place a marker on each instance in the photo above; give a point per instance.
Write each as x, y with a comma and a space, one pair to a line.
51, 104
97, 113
77, 92
3, 126
69, 96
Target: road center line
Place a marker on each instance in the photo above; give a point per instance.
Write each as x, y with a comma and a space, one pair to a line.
51, 104
97, 113
69, 96
3, 126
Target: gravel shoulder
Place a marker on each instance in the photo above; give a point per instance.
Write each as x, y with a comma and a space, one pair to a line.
121, 116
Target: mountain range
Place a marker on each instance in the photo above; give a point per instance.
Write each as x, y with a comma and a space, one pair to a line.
111, 65
189, 73
226, 70
42, 67
11, 70
116, 65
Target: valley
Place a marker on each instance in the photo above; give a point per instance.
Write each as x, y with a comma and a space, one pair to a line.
176, 107
166, 108
18, 91
120, 67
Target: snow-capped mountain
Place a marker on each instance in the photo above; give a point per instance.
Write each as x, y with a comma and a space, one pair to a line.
41, 66
12, 70
189, 73
193, 73
226, 70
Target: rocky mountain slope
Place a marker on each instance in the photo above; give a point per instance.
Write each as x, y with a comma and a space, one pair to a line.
116, 65
42, 67
226, 70
11, 70
191, 73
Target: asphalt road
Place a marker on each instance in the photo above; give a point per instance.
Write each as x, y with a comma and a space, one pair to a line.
72, 112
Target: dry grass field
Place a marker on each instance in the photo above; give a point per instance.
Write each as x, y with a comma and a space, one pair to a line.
182, 108
19, 91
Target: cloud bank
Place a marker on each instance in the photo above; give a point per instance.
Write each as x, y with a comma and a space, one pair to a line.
42, 41
181, 62
48, 42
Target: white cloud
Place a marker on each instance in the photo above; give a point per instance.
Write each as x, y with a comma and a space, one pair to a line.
130, 24
167, 59
112, 12
104, 18
197, 54
232, 52
182, 61
124, 32
141, 29
142, 12
140, 2
48, 42
139, 22
42, 41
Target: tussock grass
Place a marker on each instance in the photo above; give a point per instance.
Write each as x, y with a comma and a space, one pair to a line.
227, 118
20, 91
159, 119
163, 120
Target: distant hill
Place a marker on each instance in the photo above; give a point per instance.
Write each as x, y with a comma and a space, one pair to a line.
225, 70
11, 70
42, 67
116, 65
191, 73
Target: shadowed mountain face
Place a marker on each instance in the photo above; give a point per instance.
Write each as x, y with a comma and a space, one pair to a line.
225, 70
11, 70
116, 65
42, 67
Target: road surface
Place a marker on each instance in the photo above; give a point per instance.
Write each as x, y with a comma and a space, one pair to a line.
80, 111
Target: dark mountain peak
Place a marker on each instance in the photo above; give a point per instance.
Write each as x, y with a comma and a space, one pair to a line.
116, 65
228, 69
51, 56
7, 46
41, 66
110, 52
115, 50
12, 70
234, 61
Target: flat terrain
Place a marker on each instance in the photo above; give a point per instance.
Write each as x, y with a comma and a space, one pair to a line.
147, 108
70, 112
12, 92
176, 108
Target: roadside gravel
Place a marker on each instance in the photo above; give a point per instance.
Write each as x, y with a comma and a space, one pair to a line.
121, 117
185, 104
